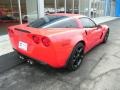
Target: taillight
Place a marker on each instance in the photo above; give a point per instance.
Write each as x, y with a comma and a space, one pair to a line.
36, 39
45, 41
10, 32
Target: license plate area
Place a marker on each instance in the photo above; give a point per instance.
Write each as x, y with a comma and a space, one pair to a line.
23, 45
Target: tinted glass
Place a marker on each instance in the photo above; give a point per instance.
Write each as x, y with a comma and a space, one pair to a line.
66, 23
87, 23
45, 21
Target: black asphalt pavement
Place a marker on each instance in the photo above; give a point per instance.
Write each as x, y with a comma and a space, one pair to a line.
9, 61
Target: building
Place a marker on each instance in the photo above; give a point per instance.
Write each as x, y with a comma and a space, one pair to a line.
29, 10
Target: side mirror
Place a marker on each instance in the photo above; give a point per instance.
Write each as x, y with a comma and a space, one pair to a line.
99, 26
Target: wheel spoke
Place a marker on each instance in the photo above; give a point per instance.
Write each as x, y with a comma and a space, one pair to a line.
78, 56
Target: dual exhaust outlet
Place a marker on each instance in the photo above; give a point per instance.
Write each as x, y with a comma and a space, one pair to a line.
28, 60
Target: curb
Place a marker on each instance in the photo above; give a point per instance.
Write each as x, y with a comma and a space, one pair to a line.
4, 38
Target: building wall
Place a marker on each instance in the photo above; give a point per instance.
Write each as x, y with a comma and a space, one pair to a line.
31, 6
98, 7
117, 11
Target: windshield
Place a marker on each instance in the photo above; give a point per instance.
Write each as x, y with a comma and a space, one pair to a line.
48, 19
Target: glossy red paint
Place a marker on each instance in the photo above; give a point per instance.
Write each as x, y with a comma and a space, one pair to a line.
53, 46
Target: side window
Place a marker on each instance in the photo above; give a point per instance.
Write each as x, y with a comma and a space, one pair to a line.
69, 23
87, 23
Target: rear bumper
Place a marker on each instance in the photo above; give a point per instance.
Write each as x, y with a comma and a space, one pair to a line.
46, 59
27, 57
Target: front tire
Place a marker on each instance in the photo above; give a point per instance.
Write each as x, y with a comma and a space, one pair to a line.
76, 57
106, 37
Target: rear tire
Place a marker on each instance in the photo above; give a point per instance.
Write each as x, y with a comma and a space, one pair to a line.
76, 57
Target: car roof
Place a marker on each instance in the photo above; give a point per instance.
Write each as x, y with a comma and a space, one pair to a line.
68, 15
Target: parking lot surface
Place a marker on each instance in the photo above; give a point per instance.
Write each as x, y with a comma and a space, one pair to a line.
100, 70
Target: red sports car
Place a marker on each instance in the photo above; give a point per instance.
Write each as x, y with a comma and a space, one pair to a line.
59, 40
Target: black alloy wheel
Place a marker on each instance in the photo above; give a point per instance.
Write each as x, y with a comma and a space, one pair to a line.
76, 57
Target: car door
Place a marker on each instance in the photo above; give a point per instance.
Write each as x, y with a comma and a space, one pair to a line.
92, 32
97, 31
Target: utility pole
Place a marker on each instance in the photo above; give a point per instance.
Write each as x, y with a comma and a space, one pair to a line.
55, 5
65, 6
40, 7
20, 15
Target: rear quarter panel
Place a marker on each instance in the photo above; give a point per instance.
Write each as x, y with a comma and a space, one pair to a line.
64, 43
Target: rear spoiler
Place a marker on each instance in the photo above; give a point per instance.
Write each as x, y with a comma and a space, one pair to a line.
21, 30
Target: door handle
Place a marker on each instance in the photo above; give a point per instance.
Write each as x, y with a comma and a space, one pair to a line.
86, 32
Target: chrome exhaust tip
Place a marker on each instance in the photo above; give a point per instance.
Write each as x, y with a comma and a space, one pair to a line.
31, 62
21, 57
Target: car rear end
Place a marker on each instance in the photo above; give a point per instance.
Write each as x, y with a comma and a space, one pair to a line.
41, 40
33, 44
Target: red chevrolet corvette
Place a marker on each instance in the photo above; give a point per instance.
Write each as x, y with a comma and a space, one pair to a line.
59, 40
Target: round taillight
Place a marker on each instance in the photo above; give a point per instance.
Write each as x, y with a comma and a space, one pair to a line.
46, 41
36, 39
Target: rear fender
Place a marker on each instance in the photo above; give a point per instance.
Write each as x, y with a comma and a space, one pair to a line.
77, 40
63, 46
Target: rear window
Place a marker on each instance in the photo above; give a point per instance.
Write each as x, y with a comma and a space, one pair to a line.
46, 20
66, 23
